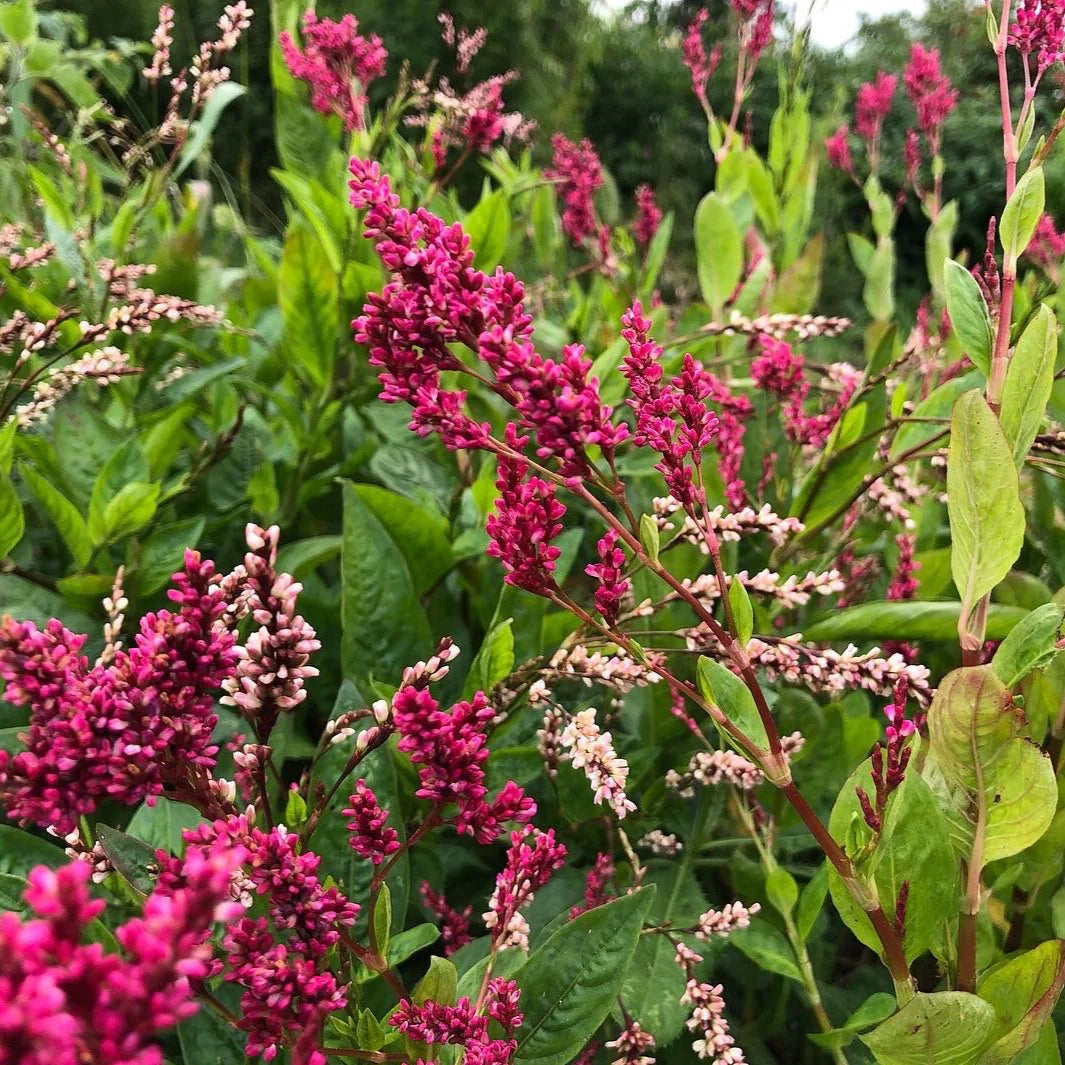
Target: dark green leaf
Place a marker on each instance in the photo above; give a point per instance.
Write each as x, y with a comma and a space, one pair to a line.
384, 626
569, 985
1030, 645
908, 621
307, 294
968, 314
1029, 380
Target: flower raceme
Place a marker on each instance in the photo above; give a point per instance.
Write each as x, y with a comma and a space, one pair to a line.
141, 724
337, 63
67, 1002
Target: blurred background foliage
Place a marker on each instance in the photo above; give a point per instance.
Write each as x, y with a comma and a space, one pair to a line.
615, 76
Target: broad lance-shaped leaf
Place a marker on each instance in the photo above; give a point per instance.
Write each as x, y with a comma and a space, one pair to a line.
718, 250
946, 1028
996, 789
383, 625
1022, 213
1028, 383
1030, 645
983, 500
968, 313
655, 982
1024, 991
719, 685
914, 846
570, 984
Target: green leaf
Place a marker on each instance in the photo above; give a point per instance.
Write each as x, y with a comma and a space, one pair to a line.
407, 943
569, 985
1030, 645
1024, 991
655, 257
161, 826
718, 251
876, 1008
937, 246
439, 984
132, 858
996, 789
163, 553
655, 983
908, 621
782, 890
208, 1039
307, 296
64, 515
419, 532
488, 226
650, 536
302, 193
18, 21
383, 625
12, 521
939, 403
799, 284
719, 685
1029, 380
862, 251
945, 1028
7, 445
304, 556
879, 290
968, 314
742, 611
811, 900
494, 660
130, 510
983, 501
201, 131
768, 949
382, 920
1022, 214
914, 846
20, 852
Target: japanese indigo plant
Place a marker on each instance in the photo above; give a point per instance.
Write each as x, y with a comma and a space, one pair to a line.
509, 856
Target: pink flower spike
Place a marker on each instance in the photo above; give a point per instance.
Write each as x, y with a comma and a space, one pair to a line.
532, 859
612, 587
371, 835
338, 64
838, 150
648, 215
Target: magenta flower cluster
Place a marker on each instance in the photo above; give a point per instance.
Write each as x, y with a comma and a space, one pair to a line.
371, 835
533, 858
872, 105
67, 1002
579, 175
454, 924
1039, 29
437, 1024
437, 298
611, 586
278, 960
121, 731
528, 516
648, 215
701, 64
450, 749
671, 417
274, 661
930, 91
337, 63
